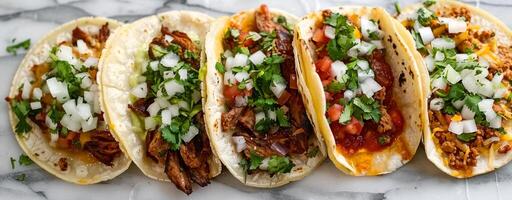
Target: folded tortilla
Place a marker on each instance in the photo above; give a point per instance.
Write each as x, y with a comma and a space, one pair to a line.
33, 143
119, 66
406, 94
488, 159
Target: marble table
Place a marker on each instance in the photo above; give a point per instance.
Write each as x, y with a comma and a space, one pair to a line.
419, 179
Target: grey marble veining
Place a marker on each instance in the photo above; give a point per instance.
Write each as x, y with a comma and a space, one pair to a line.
418, 180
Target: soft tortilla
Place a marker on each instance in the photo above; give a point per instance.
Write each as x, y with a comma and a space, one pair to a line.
407, 91
485, 162
214, 107
119, 64
33, 143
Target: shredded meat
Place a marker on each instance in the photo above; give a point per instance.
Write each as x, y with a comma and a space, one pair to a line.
383, 73
258, 145
298, 142
104, 33
264, 19
298, 112
177, 174
385, 123
230, 119
63, 164
79, 34
103, 147
455, 12
504, 149
157, 147
140, 106
247, 119
189, 155
200, 175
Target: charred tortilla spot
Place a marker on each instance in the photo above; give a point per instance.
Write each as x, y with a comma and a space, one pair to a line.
63, 164
401, 79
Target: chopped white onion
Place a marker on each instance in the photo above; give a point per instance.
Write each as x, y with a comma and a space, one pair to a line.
378, 44
162, 102
37, 93
426, 34
70, 123
469, 126
149, 123
53, 138
86, 81
278, 89
183, 74
454, 25
154, 65
461, 57
485, 88
363, 64
443, 43
436, 104
439, 83
364, 74
88, 96
241, 76
369, 87
495, 123
259, 116
91, 61
240, 144
500, 93
348, 95
490, 115
330, 32
25, 91
172, 87
229, 78
485, 105
58, 89
65, 53
429, 63
168, 38
82, 47
264, 163
48, 121
367, 27
470, 83
467, 113
496, 80
241, 101
240, 60
170, 60
191, 133
458, 104
140, 90
456, 127
84, 111
168, 74
230, 63
90, 124
451, 75
257, 57
338, 69
166, 117
439, 56
35, 105
153, 109
491, 140
227, 53
365, 48
254, 36
271, 115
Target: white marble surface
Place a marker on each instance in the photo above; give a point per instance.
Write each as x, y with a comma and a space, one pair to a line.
23, 19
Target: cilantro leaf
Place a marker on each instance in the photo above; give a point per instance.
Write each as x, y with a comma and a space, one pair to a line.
282, 119
13, 49
346, 115
471, 101
428, 3
279, 164
13, 163
173, 139
425, 16
466, 137
21, 109
254, 161
220, 68
335, 87
21, 177
24, 160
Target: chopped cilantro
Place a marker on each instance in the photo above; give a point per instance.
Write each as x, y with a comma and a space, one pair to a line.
384, 139
335, 87
428, 3
282, 119
21, 109
338, 47
471, 101
24, 160
279, 164
234, 32
13, 162
21, 177
282, 21
220, 68
346, 115
254, 161
425, 16
366, 108
169, 133
466, 137
397, 7
13, 49
268, 40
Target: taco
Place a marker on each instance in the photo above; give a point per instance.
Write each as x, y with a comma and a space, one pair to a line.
254, 111
55, 108
364, 87
150, 85
465, 57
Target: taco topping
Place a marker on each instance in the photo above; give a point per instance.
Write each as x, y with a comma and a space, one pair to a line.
470, 72
167, 102
264, 109
358, 83
61, 97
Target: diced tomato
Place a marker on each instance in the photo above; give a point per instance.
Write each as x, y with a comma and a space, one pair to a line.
322, 53
293, 82
354, 127
319, 36
230, 93
243, 37
397, 119
323, 64
284, 98
448, 118
334, 112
